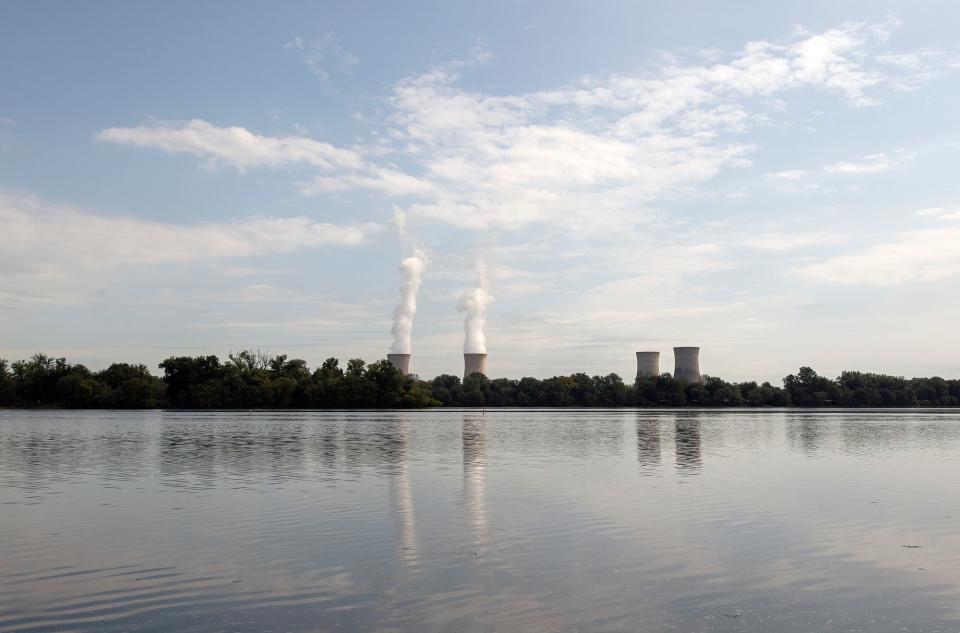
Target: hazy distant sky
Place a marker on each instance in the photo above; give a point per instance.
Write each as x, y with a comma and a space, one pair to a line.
776, 182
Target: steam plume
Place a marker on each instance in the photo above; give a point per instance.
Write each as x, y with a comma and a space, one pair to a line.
411, 269
474, 303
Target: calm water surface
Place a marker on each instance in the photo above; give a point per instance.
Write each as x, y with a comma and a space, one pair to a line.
456, 521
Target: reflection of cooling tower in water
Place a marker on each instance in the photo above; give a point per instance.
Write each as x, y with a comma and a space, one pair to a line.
474, 364
648, 444
400, 361
401, 498
474, 478
686, 438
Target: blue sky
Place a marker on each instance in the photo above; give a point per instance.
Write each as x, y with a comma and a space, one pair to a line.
773, 183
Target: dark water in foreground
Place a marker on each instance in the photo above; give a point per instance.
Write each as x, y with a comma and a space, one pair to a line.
453, 521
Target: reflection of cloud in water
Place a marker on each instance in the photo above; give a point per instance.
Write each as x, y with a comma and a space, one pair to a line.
313, 517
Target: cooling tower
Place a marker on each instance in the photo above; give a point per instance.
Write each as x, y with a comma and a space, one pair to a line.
687, 363
401, 362
474, 364
648, 364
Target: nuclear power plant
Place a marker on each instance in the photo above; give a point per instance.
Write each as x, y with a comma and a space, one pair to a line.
687, 363
401, 362
474, 364
474, 303
648, 364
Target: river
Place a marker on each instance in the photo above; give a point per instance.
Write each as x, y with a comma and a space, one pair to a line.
460, 520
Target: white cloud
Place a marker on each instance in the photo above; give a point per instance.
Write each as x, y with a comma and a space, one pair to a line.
939, 213
793, 181
595, 153
389, 181
48, 241
242, 149
801, 181
588, 156
509, 161
324, 55
920, 66
784, 241
871, 163
233, 146
791, 175
923, 255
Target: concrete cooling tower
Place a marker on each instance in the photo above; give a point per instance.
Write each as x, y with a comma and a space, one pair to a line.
648, 364
687, 363
401, 362
474, 364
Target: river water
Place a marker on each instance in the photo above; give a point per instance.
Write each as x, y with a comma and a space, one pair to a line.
455, 520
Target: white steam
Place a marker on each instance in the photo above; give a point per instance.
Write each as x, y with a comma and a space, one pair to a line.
411, 269
474, 303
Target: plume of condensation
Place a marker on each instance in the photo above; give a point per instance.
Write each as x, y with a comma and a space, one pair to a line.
474, 303
411, 271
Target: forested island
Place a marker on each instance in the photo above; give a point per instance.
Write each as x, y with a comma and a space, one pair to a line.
251, 380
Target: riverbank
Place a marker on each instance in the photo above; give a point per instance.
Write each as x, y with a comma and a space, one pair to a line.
252, 381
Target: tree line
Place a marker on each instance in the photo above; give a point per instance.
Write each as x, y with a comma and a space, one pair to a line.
250, 380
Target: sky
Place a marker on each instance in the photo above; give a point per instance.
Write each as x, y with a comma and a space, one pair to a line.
773, 182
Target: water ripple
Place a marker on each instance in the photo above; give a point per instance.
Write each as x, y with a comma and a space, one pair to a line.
548, 520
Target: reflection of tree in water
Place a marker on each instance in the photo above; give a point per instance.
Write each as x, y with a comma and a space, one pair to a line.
872, 434
807, 434
869, 432
686, 438
325, 446
648, 444
186, 453
238, 450
474, 476
50, 450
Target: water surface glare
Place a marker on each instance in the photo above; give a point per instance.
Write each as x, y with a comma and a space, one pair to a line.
453, 520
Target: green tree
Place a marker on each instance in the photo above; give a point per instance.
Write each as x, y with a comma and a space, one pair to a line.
6, 384
474, 387
809, 389
528, 393
446, 389
80, 390
670, 392
611, 391
417, 395
386, 383
720, 393
35, 380
188, 381
354, 388
325, 385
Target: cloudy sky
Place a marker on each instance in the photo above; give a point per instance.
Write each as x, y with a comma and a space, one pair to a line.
777, 184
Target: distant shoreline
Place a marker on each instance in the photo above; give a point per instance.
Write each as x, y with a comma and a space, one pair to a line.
250, 380
440, 409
